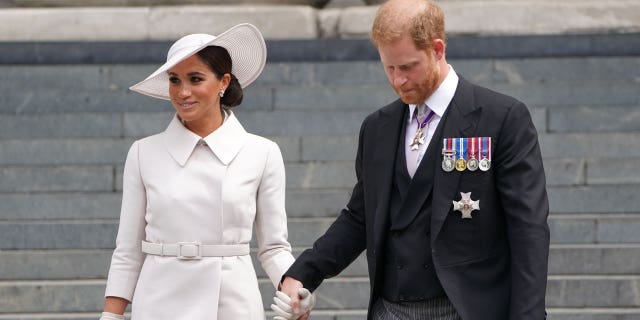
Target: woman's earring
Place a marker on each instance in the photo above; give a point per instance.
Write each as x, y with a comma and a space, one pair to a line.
221, 93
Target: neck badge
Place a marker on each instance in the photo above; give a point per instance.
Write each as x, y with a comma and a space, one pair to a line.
466, 205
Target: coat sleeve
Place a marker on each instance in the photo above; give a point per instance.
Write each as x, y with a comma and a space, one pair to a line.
521, 185
342, 242
274, 250
128, 257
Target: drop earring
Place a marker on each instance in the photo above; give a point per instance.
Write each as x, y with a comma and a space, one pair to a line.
221, 93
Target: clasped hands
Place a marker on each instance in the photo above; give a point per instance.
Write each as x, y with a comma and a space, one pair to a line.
292, 301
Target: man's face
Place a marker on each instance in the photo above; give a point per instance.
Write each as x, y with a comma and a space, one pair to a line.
413, 73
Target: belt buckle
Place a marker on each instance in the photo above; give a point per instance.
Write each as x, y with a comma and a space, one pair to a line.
189, 251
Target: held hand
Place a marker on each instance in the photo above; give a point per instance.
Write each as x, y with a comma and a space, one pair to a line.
284, 311
290, 287
111, 316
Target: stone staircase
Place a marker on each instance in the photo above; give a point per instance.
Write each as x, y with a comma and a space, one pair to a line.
67, 121
65, 131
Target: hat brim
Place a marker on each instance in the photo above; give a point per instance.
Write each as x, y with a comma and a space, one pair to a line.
245, 45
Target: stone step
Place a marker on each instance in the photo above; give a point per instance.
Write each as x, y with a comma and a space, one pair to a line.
313, 175
591, 259
83, 234
328, 314
590, 202
463, 17
118, 77
334, 294
326, 85
326, 98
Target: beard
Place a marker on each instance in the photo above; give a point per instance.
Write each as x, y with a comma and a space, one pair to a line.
415, 93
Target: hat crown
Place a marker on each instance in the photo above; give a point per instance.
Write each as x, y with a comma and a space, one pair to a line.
189, 42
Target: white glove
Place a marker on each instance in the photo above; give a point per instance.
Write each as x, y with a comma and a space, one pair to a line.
282, 305
111, 316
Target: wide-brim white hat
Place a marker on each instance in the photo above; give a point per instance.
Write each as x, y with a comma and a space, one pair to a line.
245, 45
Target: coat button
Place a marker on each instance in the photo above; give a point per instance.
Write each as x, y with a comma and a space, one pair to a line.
426, 266
399, 266
401, 297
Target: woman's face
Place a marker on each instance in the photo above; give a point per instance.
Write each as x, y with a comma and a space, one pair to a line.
194, 91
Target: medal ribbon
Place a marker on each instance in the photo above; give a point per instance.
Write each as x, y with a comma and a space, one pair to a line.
472, 145
489, 148
425, 121
453, 147
461, 148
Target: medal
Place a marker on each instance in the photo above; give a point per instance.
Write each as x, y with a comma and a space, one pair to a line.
461, 164
466, 205
419, 138
448, 162
415, 145
472, 164
485, 162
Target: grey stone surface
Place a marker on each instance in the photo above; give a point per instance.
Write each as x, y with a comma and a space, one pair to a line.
56, 178
63, 151
608, 171
565, 172
593, 314
560, 94
594, 199
54, 264
575, 70
59, 206
320, 175
144, 124
329, 148
298, 122
86, 125
592, 145
595, 119
573, 230
302, 233
619, 230
271, 20
42, 100
595, 291
69, 130
316, 203
594, 259
333, 99
289, 147
53, 235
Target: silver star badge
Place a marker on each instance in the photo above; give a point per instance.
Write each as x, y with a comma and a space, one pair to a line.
466, 205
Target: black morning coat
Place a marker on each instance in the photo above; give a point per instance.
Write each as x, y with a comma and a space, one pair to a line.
492, 266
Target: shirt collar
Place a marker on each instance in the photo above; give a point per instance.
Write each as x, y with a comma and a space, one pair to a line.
441, 98
225, 142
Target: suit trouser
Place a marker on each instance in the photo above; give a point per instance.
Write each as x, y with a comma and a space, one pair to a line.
432, 309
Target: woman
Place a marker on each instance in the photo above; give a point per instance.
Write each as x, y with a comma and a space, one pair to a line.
192, 193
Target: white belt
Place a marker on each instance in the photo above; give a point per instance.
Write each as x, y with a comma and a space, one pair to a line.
194, 250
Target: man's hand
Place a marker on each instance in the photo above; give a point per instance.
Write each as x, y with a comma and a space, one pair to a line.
290, 287
292, 301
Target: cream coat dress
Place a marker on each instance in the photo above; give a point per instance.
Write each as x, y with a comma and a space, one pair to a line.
178, 187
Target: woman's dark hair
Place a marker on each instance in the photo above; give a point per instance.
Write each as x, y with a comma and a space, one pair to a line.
219, 61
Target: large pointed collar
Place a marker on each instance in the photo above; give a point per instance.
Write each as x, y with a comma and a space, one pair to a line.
225, 142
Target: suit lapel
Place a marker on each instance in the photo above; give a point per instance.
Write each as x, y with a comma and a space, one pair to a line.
460, 121
387, 137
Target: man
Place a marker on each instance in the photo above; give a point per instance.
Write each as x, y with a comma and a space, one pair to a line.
450, 203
